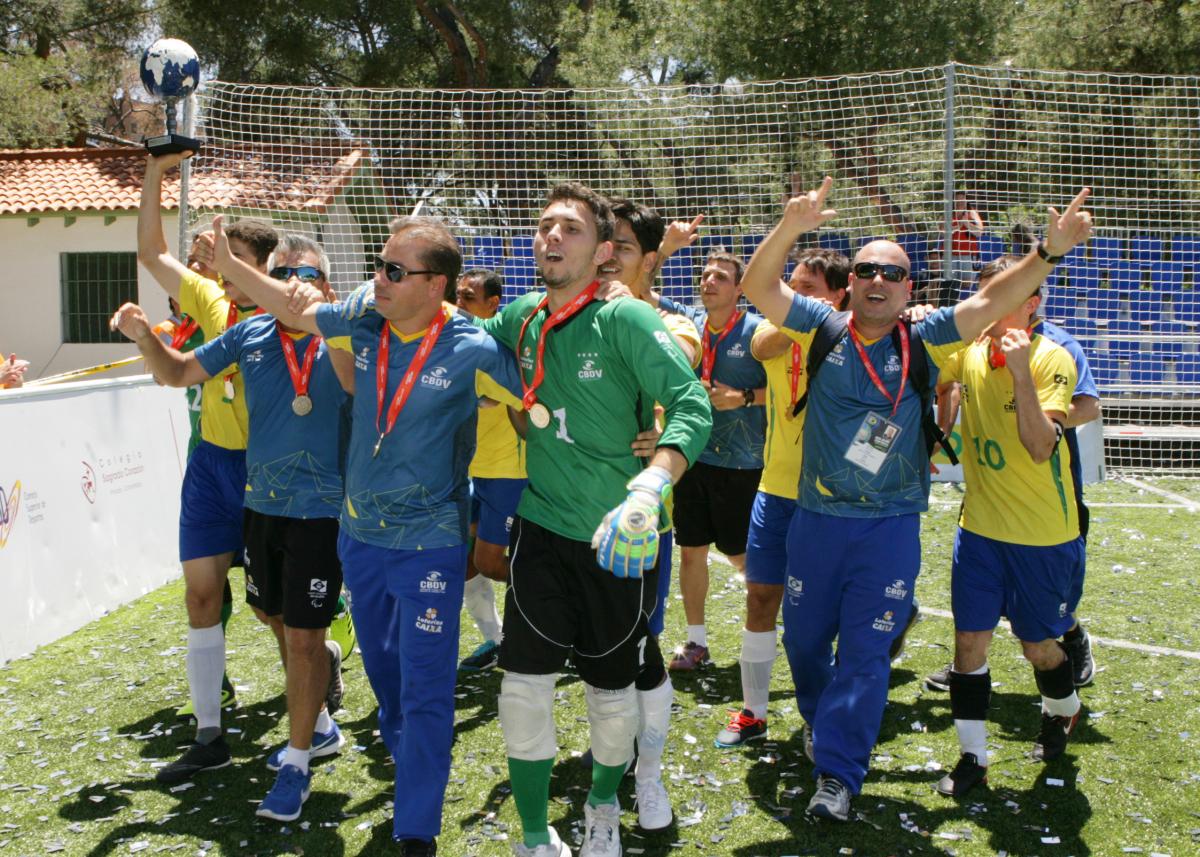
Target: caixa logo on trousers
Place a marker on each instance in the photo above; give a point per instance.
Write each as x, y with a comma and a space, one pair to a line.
429, 621
434, 584
885, 623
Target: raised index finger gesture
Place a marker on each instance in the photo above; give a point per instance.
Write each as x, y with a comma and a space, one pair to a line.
1072, 227
807, 211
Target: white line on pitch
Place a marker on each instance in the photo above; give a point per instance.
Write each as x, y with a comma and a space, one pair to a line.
1191, 505
1116, 644
943, 504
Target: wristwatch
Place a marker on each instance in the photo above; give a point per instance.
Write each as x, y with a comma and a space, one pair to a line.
1045, 256
748, 395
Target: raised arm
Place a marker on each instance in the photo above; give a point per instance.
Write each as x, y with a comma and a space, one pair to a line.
152, 242
761, 282
166, 364
1039, 430
1008, 290
274, 296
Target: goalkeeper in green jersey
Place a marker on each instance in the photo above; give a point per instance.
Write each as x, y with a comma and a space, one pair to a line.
587, 524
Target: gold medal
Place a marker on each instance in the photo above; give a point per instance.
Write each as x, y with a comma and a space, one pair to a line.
302, 405
229, 389
539, 415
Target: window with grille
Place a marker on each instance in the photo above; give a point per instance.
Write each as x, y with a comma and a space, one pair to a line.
94, 285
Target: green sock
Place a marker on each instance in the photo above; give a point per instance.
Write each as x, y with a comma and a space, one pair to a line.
341, 606
605, 779
531, 791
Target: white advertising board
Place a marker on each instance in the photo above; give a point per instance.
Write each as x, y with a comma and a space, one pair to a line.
89, 476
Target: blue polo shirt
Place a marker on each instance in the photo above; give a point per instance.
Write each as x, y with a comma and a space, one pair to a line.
737, 435
840, 399
291, 461
413, 495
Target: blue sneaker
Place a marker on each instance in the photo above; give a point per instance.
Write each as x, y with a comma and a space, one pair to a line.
323, 744
287, 796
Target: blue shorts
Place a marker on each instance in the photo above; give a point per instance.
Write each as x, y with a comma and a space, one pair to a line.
211, 502
493, 507
662, 584
1031, 585
766, 543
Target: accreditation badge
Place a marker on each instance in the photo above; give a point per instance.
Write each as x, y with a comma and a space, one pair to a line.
873, 442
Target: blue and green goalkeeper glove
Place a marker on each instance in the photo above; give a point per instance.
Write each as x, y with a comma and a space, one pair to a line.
626, 541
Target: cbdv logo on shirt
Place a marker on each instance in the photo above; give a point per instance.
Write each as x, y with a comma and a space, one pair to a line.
589, 371
737, 350
437, 377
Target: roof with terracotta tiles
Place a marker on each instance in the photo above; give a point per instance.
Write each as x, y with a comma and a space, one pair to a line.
34, 181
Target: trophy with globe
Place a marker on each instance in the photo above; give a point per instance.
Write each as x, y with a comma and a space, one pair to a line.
170, 71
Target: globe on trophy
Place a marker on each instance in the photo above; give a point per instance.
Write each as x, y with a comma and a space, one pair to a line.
170, 71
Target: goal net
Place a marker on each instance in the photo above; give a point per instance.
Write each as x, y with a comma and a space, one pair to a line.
912, 153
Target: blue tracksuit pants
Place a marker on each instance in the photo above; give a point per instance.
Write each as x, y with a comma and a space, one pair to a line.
850, 579
406, 606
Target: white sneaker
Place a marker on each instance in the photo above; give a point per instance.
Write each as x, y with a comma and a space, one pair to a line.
553, 848
654, 805
603, 836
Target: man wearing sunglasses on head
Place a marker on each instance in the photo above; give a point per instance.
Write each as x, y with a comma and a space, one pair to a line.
403, 523
865, 473
293, 491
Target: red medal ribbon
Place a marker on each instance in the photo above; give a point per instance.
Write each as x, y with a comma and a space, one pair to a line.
996, 358
183, 331
230, 320
797, 368
904, 357
709, 356
529, 399
300, 376
410, 377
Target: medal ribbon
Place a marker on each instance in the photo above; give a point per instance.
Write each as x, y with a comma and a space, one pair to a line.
300, 376
410, 377
904, 358
996, 358
230, 320
529, 399
797, 368
709, 356
183, 331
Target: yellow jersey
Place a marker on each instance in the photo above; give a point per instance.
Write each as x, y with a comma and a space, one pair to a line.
681, 327
222, 423
499, 450
1008, 497
783, 452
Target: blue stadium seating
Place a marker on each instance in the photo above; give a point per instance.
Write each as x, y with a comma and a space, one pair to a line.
487, 251
1145, 370
1105, 370
712, 243
1185, 249
750, 244
1145, 306
1103, 304
1105, 251
1167, 277
1145, 250
520, 273
990, 246
1082, 278
1185, 306
678, 276
1187, 369
1123, 346
1165, 342
1059, 303
834, 241
917, 248
1125, 278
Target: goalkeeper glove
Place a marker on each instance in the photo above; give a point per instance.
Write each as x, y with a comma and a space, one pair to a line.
626, 541
359, 301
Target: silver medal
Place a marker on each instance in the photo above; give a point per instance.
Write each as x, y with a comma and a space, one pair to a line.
539, 415
302, 405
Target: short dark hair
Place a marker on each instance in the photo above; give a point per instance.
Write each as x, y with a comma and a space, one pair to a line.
647, 224
441, 252
597, 204
998, 266
830, 264
728, 258
258, 235
490, 281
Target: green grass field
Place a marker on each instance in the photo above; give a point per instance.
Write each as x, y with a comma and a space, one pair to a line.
87, 719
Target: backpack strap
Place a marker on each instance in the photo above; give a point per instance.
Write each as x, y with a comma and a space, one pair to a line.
918, 377
829, 333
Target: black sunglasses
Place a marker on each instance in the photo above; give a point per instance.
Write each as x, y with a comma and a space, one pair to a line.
395, 273
891, 273
304, 273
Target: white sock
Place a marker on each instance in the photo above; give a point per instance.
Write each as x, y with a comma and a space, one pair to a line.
1061, 707
697, 635
758, 656
654, 710
480, 599
299, 758
324, 722
205, 666
972, 738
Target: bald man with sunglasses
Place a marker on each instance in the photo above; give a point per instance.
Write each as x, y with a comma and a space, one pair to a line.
854, 543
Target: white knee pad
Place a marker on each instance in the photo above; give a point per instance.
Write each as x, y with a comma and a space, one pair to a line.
613, 715
527, 716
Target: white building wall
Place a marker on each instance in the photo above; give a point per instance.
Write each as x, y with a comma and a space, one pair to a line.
31, 290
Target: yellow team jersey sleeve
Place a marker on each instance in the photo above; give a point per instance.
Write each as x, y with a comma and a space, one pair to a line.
340, 343
1009, 497
499, 450
783, 451
223, 423
682, 328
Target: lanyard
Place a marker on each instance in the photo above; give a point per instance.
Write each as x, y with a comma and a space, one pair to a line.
710, 348
797, 367
529, 399
183, 332
875, 379
300, 376
409, 379
230, 320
